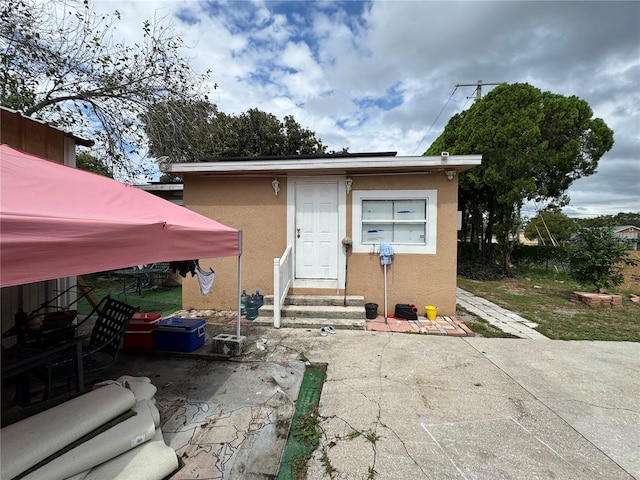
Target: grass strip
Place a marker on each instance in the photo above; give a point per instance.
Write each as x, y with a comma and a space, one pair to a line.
304, 433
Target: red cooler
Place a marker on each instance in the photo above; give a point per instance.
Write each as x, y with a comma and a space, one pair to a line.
139, 333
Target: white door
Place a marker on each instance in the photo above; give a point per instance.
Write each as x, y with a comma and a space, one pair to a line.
316, 230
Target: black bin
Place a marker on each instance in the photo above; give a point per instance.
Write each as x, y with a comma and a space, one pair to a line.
371, 310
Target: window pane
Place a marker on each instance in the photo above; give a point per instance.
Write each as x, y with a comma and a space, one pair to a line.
377, 210
409, 233
377, 232
410, 209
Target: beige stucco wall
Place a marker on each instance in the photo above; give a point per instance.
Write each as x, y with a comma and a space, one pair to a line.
411, 278
248, 204
251, 205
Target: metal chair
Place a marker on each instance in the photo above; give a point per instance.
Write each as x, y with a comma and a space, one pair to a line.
104, 344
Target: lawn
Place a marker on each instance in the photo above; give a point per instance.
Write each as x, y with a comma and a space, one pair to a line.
165, 300
544, 297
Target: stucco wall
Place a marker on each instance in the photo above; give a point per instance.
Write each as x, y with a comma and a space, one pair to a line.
251, 205
415, 279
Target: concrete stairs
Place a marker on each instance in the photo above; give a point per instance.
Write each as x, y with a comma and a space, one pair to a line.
315, 311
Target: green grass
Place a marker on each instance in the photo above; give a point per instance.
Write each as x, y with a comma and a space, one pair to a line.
165, 300
544, 297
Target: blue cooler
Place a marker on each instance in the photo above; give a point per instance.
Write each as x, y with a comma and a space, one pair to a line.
179, 334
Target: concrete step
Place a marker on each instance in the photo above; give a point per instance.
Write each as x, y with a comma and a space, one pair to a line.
313, 323
316, 311
328, 300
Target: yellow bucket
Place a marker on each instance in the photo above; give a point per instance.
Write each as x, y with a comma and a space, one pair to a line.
431, 312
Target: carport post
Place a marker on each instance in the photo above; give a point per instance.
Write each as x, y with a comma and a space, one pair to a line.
239, 281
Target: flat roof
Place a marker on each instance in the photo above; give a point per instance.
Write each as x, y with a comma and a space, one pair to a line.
382, 162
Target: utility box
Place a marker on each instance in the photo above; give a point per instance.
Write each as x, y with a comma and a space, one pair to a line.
139, 333
179, 334
228, 345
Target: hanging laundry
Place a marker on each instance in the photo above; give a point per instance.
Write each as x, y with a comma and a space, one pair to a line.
205, 279
183, 267
386, 252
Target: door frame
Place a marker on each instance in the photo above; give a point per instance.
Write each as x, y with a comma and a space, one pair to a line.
292, 181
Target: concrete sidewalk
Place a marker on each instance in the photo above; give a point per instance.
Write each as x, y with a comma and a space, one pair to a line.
412, 406
497, 316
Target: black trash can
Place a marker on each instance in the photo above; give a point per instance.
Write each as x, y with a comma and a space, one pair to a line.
371, 310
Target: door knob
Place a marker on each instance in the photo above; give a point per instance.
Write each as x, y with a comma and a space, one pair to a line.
298, 230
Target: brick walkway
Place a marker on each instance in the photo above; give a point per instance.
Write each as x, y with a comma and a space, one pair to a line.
449, 326
497, 316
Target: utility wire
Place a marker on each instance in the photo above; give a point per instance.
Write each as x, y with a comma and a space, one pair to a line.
434, 122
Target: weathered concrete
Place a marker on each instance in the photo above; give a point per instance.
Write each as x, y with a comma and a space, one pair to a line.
433, 407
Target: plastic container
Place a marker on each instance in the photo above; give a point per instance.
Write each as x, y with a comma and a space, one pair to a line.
244, 298
371, 310
260, 298
431, 312
179, 334
252, 307
139, 333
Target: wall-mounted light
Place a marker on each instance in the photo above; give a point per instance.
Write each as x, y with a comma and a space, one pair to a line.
444, 156
276, 185
450, 174
348, 183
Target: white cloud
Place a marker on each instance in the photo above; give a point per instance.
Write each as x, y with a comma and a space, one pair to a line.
325, 62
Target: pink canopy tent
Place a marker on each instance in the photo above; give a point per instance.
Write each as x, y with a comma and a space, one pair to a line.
56, 221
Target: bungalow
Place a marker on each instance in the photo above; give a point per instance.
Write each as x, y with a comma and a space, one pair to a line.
315, 218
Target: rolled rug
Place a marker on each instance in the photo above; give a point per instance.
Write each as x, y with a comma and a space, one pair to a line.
153, 460
32, 440
118, 439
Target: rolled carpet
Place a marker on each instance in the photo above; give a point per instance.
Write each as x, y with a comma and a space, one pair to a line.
30, 441
118, 439
153, 460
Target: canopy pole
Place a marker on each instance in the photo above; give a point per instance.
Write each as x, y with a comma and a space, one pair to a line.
239, 282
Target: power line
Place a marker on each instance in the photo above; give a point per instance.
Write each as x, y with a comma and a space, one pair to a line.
478, 96
434, 122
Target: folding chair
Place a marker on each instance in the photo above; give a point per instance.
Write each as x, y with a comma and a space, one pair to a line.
104, 344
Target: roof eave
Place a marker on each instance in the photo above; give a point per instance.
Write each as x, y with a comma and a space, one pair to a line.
459, 163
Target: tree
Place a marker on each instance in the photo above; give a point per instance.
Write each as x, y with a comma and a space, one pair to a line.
60, 64
595, 257
622, 218
550, 228
534, 145
192, 130
86, 161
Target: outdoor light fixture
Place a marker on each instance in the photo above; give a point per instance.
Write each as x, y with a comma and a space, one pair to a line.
444, 156
349, 182
276, 185
450, 174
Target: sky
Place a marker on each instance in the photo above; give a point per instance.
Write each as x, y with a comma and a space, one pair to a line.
383, 75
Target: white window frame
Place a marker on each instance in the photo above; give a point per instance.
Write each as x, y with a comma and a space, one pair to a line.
431, 198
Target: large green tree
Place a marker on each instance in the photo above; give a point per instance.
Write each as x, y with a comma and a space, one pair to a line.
550, 228
534, 144
190, 131
60, 63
